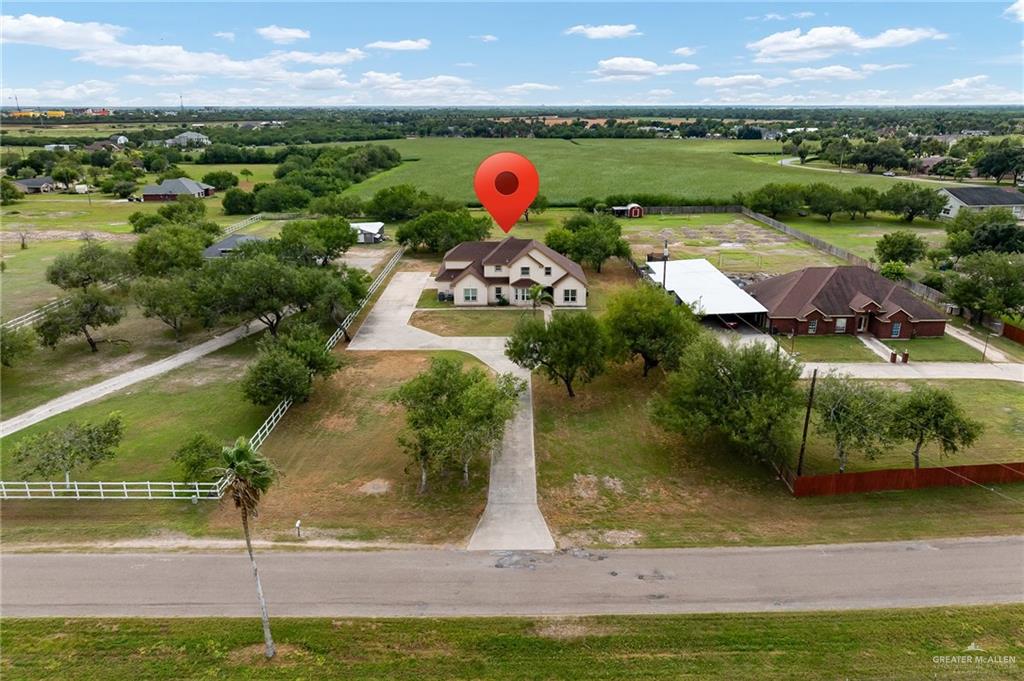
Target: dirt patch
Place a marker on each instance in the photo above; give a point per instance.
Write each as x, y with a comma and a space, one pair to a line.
568, 630
287, 655
10, 233
584, 538
584, 486
621, 537
612, 484
375, 487
338, 423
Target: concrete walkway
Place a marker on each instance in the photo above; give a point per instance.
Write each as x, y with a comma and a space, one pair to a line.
874, 345
435, 583
512, 520
91, 393
991, 354
983, 371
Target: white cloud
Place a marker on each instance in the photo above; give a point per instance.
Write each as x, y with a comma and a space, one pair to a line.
319, 79
281, 35
1015, 11
485, 38
465, 64
160, 79
772, 16
350, 55
635, 68
400, 45
57, 92
824, 41
604, 31
742, 80
225, 35
523, 88
837, 72
970, 90
29, 29
685, 51
392, 88
802, 15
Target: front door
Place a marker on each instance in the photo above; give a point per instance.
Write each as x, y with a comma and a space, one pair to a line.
862, 323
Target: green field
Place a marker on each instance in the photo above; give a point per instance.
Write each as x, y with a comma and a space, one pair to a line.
261, 172
606, 475
572, 169
24, 286
944, 349
834, 348
867, 644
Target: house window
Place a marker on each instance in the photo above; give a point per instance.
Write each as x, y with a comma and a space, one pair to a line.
522, 294
469, 295
524, 271
497, 292
497, 268
841, 325
812, 326
547, 271
896, 328
569, 295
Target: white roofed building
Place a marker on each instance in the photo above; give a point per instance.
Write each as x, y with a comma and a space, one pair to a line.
368, 232
707, 291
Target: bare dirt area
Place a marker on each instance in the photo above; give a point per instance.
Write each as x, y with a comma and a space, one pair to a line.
11, 233
365, 257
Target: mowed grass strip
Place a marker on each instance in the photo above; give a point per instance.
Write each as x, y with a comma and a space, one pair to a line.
833, 348
608, 476
944, 349
24, 285
572, 169
499, 321
72, 214
871, 644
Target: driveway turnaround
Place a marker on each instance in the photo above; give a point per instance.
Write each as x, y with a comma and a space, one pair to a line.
461, 583
512, 520
112, 385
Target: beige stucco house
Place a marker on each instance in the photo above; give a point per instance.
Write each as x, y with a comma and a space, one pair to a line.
480, 273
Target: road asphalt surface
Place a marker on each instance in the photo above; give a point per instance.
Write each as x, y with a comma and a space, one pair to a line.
472, 583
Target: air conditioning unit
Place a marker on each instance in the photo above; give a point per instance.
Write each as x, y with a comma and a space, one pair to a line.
952, 310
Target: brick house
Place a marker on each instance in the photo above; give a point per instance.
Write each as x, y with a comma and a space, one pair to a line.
851, 299
485, 272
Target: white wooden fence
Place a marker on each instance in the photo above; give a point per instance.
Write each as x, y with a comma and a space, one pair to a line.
180, 490
38, 313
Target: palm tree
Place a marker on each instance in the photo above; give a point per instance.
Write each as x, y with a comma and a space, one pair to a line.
249, 476
540, 296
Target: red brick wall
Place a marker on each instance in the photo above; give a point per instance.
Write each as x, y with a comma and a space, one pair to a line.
929, 329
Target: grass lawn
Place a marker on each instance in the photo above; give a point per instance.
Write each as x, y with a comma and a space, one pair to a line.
428, 299
159, 415
68, 215
834, 348
944, 349
999, 405
47, 373
607, 475
498, 321
572, 169
24, 278
343, 472
800, 645
261, 172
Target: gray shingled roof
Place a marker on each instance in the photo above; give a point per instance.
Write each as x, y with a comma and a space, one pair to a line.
987, 196
228, 244
178, 185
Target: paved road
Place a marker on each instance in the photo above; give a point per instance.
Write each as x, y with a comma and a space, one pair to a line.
511, 520
111, 385
794, 162
448, 583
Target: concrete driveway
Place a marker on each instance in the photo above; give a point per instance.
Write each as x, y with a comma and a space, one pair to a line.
512, 520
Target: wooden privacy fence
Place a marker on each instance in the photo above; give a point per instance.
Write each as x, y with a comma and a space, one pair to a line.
901, 478
1014, 333
180, 490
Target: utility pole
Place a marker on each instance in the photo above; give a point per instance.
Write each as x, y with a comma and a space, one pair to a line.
807, 422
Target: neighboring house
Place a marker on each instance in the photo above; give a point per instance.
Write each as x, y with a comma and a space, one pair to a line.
36, 185
97, 112
485, 272
369, 232
851, 299
101, 145
170, 190
630, 210
188, 139
119, 140
927, 163
980, 198
229, 245
58, 147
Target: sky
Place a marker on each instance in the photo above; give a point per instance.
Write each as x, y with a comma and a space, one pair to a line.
494, 54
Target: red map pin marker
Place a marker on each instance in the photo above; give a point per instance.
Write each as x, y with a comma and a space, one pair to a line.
506, 183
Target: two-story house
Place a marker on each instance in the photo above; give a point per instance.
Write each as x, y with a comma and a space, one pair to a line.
486, 272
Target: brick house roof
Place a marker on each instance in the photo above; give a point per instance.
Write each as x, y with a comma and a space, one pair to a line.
837, 292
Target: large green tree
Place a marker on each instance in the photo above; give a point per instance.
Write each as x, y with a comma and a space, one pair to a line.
169, 249
84, 310
929, 414
909, 201
901, 245
854, 415
316, 242
570, 349
645, 322
93, 263
989, 283
76, 447
15, 345
171, 300
441, 230
824, 199
454, 415
746, 393
774, 199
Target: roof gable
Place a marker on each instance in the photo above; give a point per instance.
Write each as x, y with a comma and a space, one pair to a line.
986, 196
